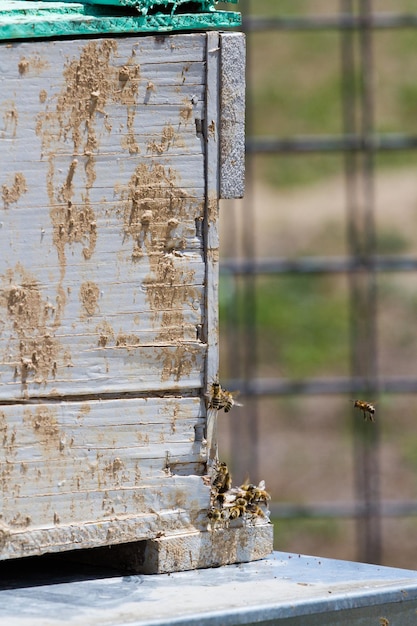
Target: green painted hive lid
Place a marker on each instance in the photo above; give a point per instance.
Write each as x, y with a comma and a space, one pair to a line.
25, 19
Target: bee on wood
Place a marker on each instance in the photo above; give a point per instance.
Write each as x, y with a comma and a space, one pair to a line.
249, 491
215, 515
261, 495
222, 481
367, 409
255, 493
215, 400
255, 510
237, 510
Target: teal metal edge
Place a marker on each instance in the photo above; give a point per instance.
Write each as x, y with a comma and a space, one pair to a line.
143, 6
27, 20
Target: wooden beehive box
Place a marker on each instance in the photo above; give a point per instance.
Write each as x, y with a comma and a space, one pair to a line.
114, 154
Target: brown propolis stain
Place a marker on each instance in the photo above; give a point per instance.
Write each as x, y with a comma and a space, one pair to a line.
11, 193
34, 349
153, 208
114, 467
186, 113
89, 295
127, 340
10, 119
168, 289
21, 521
23, 66
168, 139
73, 122
127, 94
4, 536
43, 421
106, 333
179, 362
32, 64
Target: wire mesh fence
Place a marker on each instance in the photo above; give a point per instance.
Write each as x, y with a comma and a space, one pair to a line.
357, 267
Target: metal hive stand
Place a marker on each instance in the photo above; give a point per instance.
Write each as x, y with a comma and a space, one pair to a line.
285, 589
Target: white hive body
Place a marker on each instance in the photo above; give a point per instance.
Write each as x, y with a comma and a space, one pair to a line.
111, 164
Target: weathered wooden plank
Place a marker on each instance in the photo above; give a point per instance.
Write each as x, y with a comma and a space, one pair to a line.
168, 179
103, 517
203, 549
30, 470
156, 134
109, 241
211, 233
101, 371
155, 49
232, 115
81, 422
99, 484
86, 473
28, 541
175, 492
171, 71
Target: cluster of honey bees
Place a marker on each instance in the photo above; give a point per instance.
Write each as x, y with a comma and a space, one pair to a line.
229, 503
220, 398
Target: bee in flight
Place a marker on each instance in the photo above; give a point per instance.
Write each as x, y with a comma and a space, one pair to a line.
220, 398
367, 409
229, 400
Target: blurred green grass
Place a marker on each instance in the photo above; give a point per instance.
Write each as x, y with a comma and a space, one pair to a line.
294, 87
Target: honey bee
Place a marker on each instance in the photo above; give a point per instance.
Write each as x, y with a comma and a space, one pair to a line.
220, 398
229, 400
249, 491
222, 480
215, 515
215, 397
255, 510
237, 510
367, 409
255, 493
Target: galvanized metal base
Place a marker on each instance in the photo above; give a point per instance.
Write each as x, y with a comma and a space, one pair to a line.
285, 589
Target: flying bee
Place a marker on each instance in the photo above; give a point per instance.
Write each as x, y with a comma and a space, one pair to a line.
229, 400
367, 409
220, 398
222, 480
